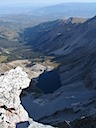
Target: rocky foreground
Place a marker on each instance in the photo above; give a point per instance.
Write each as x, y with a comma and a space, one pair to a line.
11, 110
13, 114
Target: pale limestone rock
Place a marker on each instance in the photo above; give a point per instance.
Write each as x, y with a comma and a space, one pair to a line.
11, 85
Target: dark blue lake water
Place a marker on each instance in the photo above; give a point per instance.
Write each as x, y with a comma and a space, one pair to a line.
49, 81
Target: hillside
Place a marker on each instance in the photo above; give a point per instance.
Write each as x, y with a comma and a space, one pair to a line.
74, 46
50, 36
12, 46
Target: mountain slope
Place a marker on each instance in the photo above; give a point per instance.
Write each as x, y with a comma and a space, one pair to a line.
50, 36
75, 50
61, 36
72, 43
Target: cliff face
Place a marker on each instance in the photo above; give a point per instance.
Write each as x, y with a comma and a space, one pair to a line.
11, 110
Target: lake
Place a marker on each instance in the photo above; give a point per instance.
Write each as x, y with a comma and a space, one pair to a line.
49, 81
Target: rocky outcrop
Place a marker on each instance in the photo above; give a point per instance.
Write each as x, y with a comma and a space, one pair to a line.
11, 85
11, 110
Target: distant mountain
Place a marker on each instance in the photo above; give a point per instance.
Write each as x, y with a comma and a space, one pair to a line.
28, 15
63, 10
66, 10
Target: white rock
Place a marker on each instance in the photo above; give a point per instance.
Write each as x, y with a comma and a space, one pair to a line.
11, 85
34, 124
